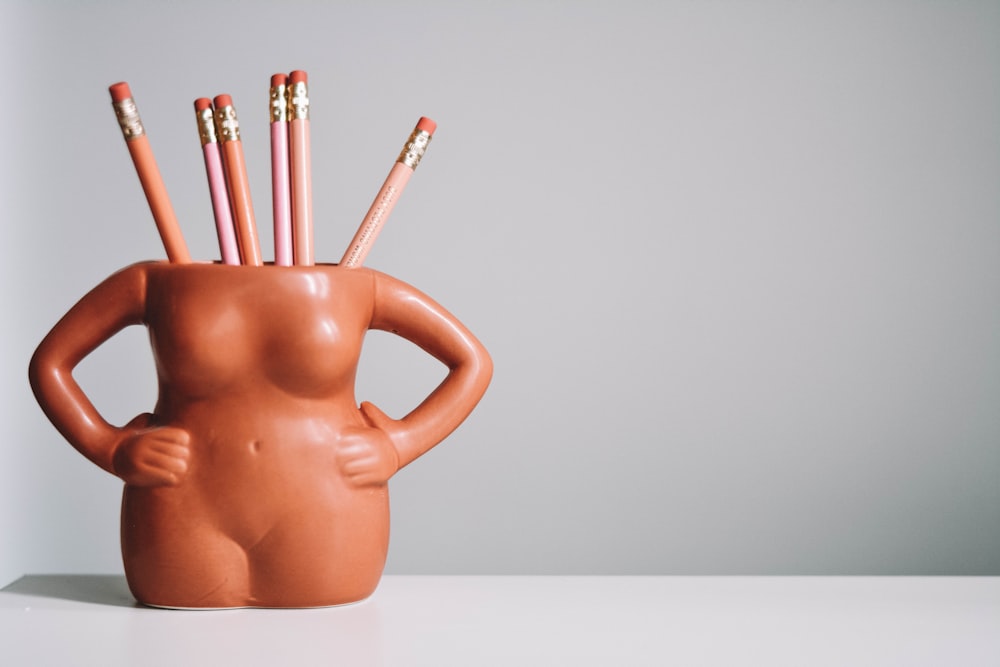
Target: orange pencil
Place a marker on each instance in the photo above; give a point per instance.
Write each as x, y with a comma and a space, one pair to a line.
149, 173
300, 168
236, 176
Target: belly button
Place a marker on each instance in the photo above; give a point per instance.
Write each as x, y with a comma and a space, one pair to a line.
255, 446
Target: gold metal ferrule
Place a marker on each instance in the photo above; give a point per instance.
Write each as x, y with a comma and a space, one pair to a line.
128, 118
226, 124
298, 101
279, 103
206, 127
414, 149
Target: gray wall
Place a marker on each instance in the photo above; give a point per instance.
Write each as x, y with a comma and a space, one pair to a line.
738, 265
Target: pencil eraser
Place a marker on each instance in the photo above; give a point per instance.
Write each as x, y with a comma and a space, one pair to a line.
202, 103
223, 101
427, 125
298, 76
278, 80
120, 91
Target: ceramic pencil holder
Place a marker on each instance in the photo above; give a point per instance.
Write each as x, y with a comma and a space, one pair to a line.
257, 480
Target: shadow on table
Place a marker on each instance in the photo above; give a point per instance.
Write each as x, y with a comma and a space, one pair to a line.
103, 589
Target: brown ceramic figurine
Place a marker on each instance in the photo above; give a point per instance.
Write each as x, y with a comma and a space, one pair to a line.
257, 480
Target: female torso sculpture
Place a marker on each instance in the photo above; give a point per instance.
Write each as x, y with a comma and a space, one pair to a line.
257, 480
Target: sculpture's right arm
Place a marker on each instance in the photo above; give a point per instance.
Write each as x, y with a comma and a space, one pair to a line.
116, 303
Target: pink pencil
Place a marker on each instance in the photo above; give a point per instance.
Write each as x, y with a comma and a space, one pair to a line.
387, 197
280, 178
236, 177
300, 168
216, 181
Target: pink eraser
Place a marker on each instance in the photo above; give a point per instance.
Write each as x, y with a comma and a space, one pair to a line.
427, 125
223, 101
278, 80
202, 103
298, 76
120, 91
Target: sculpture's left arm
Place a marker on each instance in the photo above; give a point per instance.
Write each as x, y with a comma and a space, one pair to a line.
405, 311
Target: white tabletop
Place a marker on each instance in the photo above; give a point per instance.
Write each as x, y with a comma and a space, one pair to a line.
493, 620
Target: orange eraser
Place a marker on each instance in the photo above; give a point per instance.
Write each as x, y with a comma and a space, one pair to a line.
278, 80
223, 101
202, 103
427, 125
120, 91
298, 76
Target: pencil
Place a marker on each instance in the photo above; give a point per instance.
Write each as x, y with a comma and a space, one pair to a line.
300, 168
236, 175
216, 181
149, 173
280, 183
387, 197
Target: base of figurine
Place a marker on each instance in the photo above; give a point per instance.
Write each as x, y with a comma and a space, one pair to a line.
249, 606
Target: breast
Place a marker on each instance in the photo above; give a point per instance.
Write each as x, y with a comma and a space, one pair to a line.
201, 346
262, 331
309, 355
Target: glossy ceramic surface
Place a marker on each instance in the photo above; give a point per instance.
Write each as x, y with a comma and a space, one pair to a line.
257, 480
